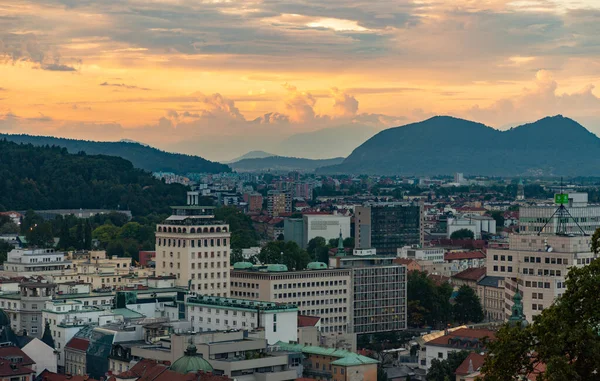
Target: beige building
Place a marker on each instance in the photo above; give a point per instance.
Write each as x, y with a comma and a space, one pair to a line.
539, 264
490, 290
318, 291
194, 247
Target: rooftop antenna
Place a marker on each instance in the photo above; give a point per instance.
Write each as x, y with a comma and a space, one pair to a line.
562, 213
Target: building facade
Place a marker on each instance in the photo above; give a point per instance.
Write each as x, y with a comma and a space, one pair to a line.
378, 292
194, 247
388, 227
328, 226
323, 292
278, 203
34, 262
539, 265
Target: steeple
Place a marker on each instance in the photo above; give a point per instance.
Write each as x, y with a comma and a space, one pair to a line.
340, 249
517, 310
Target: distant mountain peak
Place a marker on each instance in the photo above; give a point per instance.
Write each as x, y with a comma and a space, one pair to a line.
257, 154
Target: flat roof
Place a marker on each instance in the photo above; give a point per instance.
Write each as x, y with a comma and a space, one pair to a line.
249, 305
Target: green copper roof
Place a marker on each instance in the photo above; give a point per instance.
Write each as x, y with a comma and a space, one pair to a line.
277, 268
242, 265
191, 362
345, 358
316, 266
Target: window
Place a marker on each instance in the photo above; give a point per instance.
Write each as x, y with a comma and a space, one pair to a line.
440, 355
510, 258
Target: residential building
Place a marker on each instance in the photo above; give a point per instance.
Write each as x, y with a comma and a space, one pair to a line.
333, 364
463, 260
470, 368
539, 264
469, 277
255, 202
147, 258
43, 355
328, 226
16, 365
473, 222
150, 370
490, 290
308, 330
278, 203
209, 313
411, 264
455, 341
317, 291
75, 353
378, 292
388, 227
194, 247
35, 262
233, 354
542, 219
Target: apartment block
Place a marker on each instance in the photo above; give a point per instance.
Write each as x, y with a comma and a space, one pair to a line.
193, 246
278, 203
318, 291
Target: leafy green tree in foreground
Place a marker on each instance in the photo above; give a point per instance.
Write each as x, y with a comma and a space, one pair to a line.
565, 337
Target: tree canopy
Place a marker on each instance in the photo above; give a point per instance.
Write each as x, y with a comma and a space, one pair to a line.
467, 306
286, 253
562, 343
428, 303
443, 370
462, 234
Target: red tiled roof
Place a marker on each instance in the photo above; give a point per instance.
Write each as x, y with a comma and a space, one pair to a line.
466, 333
307, 321
403, 261
78, 344
12, 351
438, 279
151, 370
475, 358
464, 255
474, 274
46, 375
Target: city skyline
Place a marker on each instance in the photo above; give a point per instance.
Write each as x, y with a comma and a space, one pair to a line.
198, 77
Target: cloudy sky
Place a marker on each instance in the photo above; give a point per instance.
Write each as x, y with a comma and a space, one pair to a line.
219, 78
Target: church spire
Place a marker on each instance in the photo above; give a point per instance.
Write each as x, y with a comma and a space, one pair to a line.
517, 315
340, 249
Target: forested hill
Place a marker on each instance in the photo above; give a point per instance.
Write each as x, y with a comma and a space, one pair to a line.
51, 178
142, 156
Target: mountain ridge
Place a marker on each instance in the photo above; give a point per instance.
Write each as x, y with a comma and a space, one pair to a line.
442, 144
282, 163
140, 155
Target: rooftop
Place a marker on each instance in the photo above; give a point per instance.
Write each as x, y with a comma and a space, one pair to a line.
240, 304
472, 363
464, 255
308, 321
345, 358
472, 274
78, 343
490, 281
466, 335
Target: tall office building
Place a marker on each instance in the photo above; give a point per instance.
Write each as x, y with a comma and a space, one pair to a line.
539, 265
378, 292
388, 227
193, 246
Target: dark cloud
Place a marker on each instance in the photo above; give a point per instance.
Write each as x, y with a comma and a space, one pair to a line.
122, 85
57, 67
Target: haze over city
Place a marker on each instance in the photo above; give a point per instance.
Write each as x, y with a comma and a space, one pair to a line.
198, 76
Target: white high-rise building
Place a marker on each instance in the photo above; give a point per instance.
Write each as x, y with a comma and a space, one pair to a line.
194, 247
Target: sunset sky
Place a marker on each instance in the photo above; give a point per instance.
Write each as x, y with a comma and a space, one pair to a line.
219, 78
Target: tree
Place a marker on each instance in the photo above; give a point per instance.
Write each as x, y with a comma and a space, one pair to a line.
428, 303
499, 217
462, 234
87, 235
9, 228
467, 307
381, 374
105, 234
47, 336
286, 253
349, 242
564, 336
318, 250
40, 235
442, 370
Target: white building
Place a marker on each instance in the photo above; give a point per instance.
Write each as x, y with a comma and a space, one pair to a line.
45, 357
475, 223
279, 321
435, 255
28, 262
536, 219
327, 226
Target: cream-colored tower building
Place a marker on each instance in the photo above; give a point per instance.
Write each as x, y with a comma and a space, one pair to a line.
194, 247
